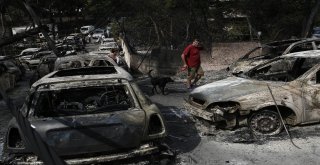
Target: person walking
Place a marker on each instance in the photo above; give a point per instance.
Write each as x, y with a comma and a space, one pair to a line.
192, 62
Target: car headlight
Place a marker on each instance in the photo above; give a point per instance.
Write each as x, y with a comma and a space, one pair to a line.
196, 100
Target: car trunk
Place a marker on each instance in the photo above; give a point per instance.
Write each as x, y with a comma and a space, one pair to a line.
83, 134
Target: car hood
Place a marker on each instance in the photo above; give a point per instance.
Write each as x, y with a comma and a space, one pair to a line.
27, 57
242, 66
93, 133
97, 34
230, 89
34, 61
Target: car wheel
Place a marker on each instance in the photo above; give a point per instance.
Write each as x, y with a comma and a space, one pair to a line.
265, 122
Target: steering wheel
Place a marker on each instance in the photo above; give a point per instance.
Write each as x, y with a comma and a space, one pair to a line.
92, 102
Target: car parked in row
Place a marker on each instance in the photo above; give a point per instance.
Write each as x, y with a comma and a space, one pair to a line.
27, 53
65, 50
98, 34
84, 60
107, 46
12, 71
294, 82
34, 60
110, 118
86, 29
120, 61
271, 50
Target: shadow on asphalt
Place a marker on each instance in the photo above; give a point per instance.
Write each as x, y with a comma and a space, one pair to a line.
182, 133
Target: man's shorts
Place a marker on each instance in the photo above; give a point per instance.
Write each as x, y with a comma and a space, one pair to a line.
193, 71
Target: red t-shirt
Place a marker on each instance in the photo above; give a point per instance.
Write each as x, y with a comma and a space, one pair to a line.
192, 55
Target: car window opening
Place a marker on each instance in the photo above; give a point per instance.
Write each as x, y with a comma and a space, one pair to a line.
283, 69
88, 100
86, 71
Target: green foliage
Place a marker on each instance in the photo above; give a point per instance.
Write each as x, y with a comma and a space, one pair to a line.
175, 22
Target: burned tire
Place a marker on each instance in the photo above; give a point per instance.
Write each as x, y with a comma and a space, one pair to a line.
265, 122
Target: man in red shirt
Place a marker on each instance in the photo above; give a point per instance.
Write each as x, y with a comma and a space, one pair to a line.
191, 60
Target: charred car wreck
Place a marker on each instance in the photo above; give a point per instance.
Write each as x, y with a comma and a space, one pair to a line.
87, 115
271, 50
294, 80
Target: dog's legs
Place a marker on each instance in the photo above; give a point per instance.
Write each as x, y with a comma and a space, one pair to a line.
152, 90
162, 90
155, 88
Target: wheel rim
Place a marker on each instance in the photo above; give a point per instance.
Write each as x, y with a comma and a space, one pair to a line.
265, 123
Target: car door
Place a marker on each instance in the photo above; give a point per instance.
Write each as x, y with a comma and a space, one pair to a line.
311, 95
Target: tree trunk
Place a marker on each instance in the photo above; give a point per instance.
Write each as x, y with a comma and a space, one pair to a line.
187, 31
156, 29
311, 18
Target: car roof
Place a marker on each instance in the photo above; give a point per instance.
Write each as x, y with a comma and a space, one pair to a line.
81, 57
99, 29
31, 50
303, 54
74, 34
84, 74
306, 40
45, 52
108, 39
87, 26
100, 52
282, 42
84, 57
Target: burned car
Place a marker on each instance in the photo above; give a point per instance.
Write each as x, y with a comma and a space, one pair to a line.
88, 115
294, 80
35, 59
271, 50
84, 60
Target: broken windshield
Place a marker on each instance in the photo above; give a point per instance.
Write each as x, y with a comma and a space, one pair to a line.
84, 100
282, 69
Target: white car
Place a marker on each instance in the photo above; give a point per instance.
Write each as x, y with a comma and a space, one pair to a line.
106, 40
86, 29
66, 49
27, 53
98, 33
108, 46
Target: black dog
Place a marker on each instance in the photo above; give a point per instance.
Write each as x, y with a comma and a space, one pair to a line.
161, 82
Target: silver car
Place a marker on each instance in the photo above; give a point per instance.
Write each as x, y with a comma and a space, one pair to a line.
294, 80
89, 116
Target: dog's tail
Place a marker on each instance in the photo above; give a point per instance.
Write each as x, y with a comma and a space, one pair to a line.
149, 73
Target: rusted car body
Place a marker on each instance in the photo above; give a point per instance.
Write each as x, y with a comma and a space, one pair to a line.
83, 60
88, 115
35, 59
294, 80
271, 50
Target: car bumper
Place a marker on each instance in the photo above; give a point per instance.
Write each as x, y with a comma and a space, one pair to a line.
216, 115
146, 149
211, 116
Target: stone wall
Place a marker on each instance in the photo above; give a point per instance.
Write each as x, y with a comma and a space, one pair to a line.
162, 61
